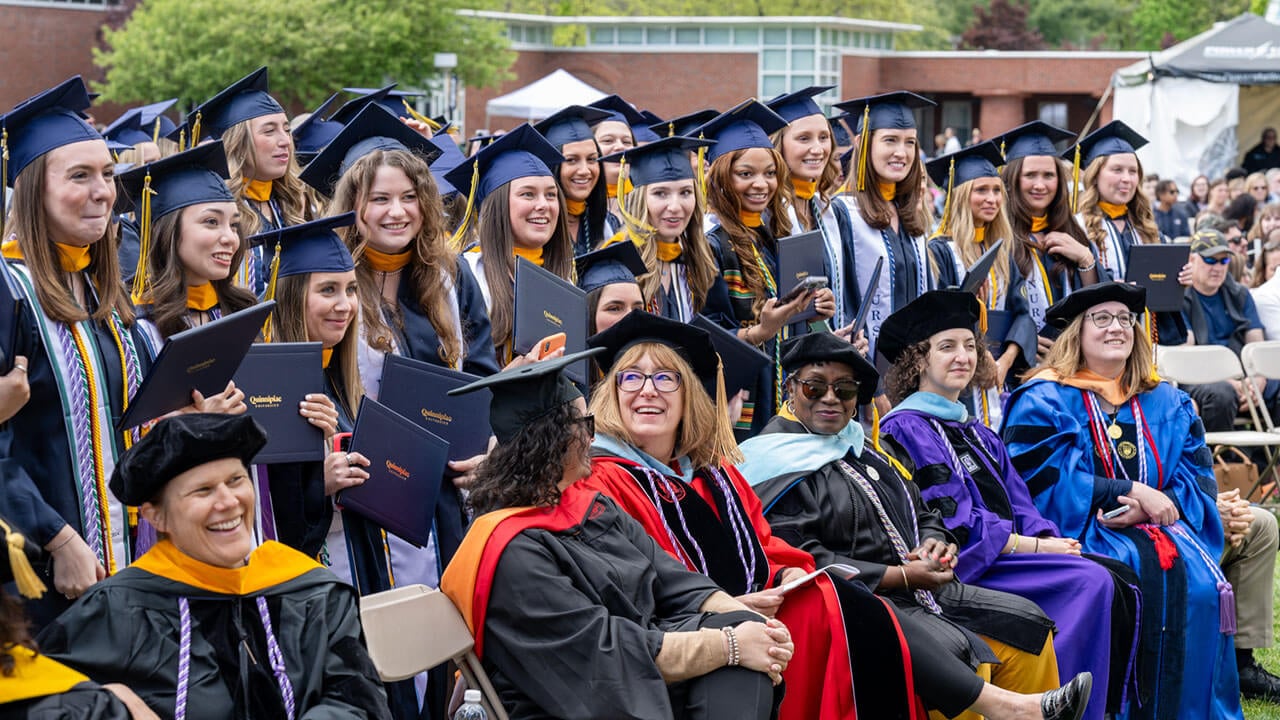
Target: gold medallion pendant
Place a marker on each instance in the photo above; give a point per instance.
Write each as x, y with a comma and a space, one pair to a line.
1114, 431
1127, 450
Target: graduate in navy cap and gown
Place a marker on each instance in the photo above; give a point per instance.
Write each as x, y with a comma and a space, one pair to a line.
807, 146
580, 176
743, 190
514, 209
965, 475
623, 128
663, 211
1094, 430
254, 130
77, 334
1048, 245
144, 129
885, 180
973, 220
575, 609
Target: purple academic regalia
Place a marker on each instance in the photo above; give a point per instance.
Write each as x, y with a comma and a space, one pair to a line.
968, 478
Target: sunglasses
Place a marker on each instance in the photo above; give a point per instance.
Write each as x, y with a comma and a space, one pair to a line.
1220, 260
845, 390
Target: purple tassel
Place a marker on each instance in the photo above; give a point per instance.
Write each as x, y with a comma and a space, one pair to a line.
146, 538
1226, 609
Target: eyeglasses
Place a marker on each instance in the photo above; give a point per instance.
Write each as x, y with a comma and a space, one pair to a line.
588, 422
1220, 260
664, 381
845, 390
1103, 319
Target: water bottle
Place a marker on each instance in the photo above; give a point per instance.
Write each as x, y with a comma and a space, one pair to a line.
471, 708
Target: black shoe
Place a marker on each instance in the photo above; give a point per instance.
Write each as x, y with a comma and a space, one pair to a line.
1258, 684
1068, 702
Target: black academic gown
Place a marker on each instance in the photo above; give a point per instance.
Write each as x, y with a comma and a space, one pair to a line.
575, 619
126, 629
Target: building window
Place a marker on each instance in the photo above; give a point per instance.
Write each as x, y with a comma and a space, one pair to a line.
601, 36
718, 36
746, 36
1054, 113
690, 36
630, 36
775, 36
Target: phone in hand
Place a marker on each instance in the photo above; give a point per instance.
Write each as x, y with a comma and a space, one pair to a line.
1117, 512
550, 344
342, 442
809, 284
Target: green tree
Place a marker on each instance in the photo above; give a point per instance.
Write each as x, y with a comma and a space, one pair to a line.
190, 49
1153, 19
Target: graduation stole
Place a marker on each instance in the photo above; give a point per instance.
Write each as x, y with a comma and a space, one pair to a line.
82, 386
707, 540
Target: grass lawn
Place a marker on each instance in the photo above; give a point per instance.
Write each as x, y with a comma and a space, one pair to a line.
1270, 658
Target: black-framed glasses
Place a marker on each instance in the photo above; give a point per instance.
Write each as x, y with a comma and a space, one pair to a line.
1103, 319
588, 423
845, 390
664, 381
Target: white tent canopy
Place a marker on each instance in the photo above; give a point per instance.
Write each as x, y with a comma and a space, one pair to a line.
1203, 100
544, 97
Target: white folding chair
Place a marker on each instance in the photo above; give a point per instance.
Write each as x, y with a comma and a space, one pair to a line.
1204, 364
413, 628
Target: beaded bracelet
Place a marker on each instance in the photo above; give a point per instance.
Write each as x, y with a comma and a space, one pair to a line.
735, 657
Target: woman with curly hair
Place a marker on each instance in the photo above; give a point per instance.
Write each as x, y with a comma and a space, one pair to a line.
745, 190
965, 475
575, 610
1116, 459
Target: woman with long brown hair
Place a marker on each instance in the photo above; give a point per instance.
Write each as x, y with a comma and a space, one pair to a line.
519, 212
746, 177
84, 362
580, 176
254, 130
1049, 247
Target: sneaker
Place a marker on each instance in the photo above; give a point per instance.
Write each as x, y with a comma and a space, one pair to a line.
1068, 702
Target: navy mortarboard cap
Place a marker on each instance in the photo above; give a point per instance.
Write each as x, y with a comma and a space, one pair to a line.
313, 133
976, 161
479, 142
616, 263
449, 158
692, 342
353, 106
1067, 309
888, 111
572, 124
651, 117
524, 394
395, 101
665, 160
141, 124
748, 125
816, 347
1033, 139
154, 118
187, 178
924, 317
840, 133
624, 112
684, 124
311, 247
178, 444
46, 122
245, 99
523, 152
793, 106
372, 129
1114, 138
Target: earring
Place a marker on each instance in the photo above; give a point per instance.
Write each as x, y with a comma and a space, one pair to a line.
790, 408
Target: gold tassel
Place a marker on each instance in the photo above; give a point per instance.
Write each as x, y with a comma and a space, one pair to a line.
1075, 181
140, 275
726, 445
195, 131
671, 129
29, 583
155, 132
624, 189
182, 139
461, 232
4, 178
271, 291
946, 204
864, 146
701, 169
419, 116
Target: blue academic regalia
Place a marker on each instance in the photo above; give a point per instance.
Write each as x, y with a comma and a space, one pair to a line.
982, 508
1187, 666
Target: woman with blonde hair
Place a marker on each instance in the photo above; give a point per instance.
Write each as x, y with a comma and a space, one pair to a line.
972, 222
1114, 212
254, 130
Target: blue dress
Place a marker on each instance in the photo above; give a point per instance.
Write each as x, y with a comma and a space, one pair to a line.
1187, 666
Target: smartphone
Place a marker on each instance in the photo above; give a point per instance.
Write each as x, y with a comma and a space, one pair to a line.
809, 284
550, 344
342, 442
1112, 514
